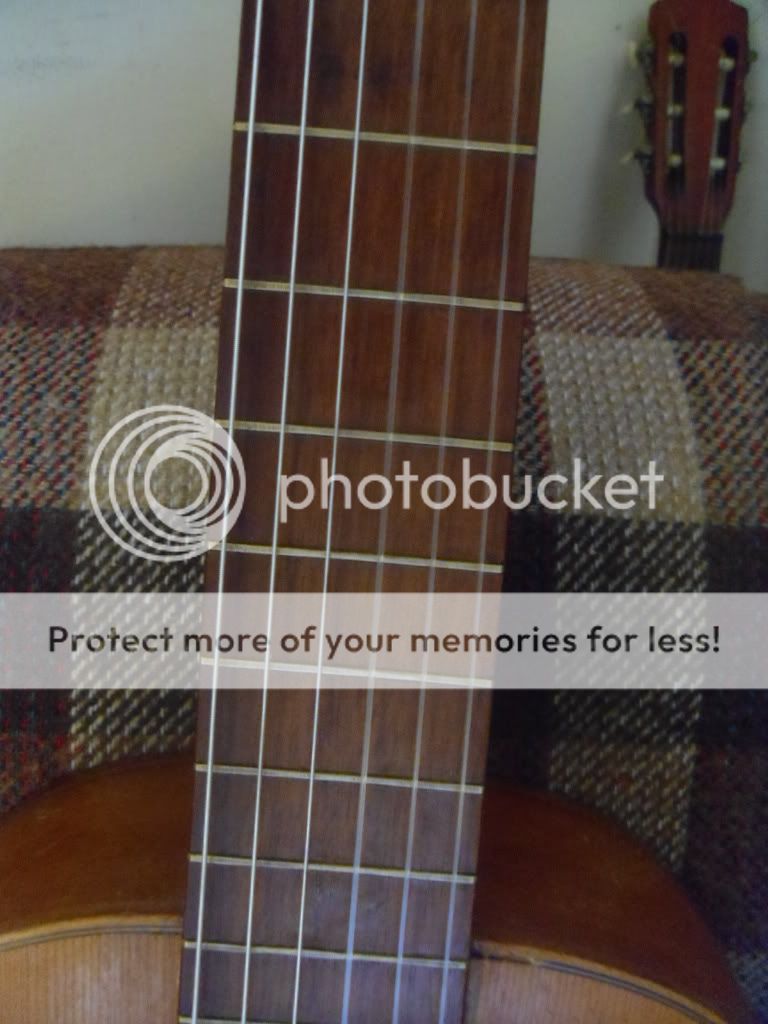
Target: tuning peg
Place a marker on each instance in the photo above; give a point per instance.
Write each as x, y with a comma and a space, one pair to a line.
634, 105
643, 156
641, 54
644, 106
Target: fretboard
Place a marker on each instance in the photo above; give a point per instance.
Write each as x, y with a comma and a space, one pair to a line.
372, 318
391, 862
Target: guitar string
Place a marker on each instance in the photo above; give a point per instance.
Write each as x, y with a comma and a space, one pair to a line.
710, 206
458, 237
701, 247
331, 501
492, 431
285, 386
276, 513
493, 415
383, 520
236, 340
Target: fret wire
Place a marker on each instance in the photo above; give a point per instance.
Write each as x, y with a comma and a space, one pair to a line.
353, 434
325, 954
379, 295
393, 138
224, 1020
488, 568
402, 678
232, 861
430, 563
414, 141
299, 775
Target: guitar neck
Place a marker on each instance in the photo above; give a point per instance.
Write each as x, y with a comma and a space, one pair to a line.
401, 852
690, 251
373, 307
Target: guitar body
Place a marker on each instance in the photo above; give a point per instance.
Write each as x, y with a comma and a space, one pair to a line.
572, 921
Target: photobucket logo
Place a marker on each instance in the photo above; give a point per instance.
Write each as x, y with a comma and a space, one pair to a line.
479, 491
167, 483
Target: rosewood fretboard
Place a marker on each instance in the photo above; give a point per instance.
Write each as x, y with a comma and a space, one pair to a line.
427, 306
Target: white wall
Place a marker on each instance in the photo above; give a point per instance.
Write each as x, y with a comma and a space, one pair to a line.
115, 120
115, 129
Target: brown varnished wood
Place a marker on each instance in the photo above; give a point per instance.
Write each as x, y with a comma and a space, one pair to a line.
357, 528
92, 881
557, 887
379, 216
388, 794
97, 845
340, 736
519, 987
388, 82
250, 573
368, 348
563, 888
692, 201
451, 250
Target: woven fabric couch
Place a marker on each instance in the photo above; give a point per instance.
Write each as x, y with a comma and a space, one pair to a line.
620, 366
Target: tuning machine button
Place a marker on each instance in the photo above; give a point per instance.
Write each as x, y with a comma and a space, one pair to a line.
644, 106
642, 55
644, 157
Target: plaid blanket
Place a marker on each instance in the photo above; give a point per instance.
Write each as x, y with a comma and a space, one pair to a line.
620, 366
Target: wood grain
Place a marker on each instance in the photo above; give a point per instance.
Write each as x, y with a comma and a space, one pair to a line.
556, 882
522, 988
431, 350
97, 845
108, 977
388, 79
692, 201
92, 881
566, 891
